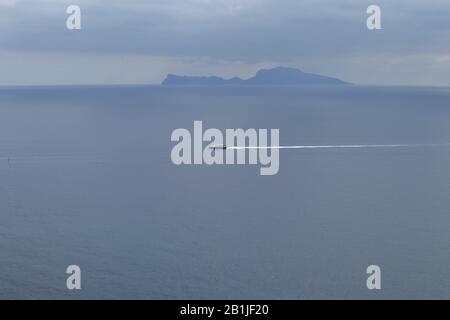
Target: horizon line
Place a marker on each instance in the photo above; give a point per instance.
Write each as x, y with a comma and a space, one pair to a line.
9, 86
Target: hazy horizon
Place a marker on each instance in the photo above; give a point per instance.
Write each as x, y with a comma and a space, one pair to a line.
207, 85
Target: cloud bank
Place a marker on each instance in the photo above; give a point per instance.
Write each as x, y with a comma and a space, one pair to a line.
140, 41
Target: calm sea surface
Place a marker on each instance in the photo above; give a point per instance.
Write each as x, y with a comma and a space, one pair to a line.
86, 179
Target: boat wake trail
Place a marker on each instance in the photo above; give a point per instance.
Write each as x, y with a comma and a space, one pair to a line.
347, 146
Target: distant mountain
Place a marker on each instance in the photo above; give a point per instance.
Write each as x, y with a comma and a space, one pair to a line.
266, 77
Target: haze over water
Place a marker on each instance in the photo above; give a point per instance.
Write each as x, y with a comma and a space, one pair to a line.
86, 179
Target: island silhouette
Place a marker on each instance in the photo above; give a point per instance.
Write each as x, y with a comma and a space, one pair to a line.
265, 77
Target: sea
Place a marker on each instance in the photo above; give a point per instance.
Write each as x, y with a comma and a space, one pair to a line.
86, 179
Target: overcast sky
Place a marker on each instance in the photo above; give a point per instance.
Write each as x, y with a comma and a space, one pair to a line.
139, 41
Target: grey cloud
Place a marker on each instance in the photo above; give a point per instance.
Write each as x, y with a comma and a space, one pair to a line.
235, 30
227, 28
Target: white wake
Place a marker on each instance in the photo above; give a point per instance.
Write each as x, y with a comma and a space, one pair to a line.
347, 146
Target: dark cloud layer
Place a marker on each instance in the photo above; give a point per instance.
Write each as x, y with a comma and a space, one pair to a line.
415, 33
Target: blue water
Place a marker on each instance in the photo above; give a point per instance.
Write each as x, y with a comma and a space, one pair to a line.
86, 179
